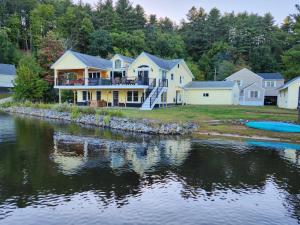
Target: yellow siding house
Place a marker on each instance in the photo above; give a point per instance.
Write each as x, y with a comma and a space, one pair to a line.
146, 82
289, 94
211, 93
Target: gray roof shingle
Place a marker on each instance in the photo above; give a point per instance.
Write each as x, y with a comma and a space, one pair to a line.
126, 58
163, 63
271, 76
288, 83
210, 84
7, 69
93, 61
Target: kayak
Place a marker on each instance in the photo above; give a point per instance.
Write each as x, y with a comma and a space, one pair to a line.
275, 126
275, 145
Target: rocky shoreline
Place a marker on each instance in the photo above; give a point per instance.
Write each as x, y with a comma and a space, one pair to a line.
140, 126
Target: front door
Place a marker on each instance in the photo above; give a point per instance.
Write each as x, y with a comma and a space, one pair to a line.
178, 97
143, 77
115, 98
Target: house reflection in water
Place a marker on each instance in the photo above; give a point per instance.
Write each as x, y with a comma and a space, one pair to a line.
72, 154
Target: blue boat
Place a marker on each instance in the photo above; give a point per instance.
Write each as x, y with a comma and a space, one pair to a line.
275, 126
274, 145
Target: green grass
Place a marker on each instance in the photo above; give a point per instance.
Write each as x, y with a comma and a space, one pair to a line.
196, 114
5, 95
205, 113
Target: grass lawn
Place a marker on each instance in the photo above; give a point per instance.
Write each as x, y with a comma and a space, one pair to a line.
200, 114
4, 95
203, 114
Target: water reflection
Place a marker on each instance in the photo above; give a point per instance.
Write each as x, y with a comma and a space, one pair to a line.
55, 173
73, 153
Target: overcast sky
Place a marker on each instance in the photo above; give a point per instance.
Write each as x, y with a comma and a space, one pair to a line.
177, 9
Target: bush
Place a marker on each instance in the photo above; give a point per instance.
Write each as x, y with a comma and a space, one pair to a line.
75, 113
106, 120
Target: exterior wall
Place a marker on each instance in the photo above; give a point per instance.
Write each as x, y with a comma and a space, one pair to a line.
107, 95
246, 99
175, 85
154, 72
272, 91
216, 97
68, 62
288, 98
247, 77
6, 80
282, 101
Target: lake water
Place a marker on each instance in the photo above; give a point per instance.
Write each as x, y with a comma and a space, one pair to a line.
55, 173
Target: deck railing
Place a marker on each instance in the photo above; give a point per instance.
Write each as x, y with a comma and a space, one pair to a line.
105, 82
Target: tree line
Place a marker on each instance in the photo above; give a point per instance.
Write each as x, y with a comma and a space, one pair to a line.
213, 44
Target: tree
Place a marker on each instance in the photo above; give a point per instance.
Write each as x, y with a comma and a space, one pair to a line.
100, 43
28, 85
42, 20
51, 49
8, 52
105, 16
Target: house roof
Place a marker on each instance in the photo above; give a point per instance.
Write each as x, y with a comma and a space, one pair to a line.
126, 58
210, 84
93, 61
165, 64
287, 84
7, 69
271, 76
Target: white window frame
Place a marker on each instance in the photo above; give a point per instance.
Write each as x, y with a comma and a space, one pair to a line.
258, 94
269, 82
115, 63
132, 97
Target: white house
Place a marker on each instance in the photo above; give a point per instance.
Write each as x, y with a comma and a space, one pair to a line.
7, 76
289, 94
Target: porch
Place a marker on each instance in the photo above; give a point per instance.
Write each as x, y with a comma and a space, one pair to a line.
91, 77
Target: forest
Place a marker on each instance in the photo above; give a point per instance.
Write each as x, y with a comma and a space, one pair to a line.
34, 33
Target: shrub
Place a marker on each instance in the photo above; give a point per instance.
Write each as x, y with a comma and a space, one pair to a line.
75, 113
62, 108
106, 120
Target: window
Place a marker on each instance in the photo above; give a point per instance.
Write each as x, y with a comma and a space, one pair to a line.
84, 96
254, 94
95, 75
206, 95
98, 95
178, 65
180, 80
118, 64
164, 74
172, 76
132, 96
239, 82
270, 84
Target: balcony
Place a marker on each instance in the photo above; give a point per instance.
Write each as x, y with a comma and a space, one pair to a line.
105, 82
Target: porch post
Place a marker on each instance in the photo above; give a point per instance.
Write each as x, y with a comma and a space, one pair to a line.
55, 77
59, 96
74, 97
86, 76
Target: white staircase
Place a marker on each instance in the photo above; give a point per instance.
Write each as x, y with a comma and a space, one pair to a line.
153, 98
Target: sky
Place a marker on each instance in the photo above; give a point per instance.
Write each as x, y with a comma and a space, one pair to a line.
177, 9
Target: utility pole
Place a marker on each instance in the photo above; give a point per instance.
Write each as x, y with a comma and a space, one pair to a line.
215, 75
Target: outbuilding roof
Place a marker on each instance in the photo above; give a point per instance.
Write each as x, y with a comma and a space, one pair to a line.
210, 84
126, 58
271, 76
7, 69
166, 64
287, 84
93, 61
